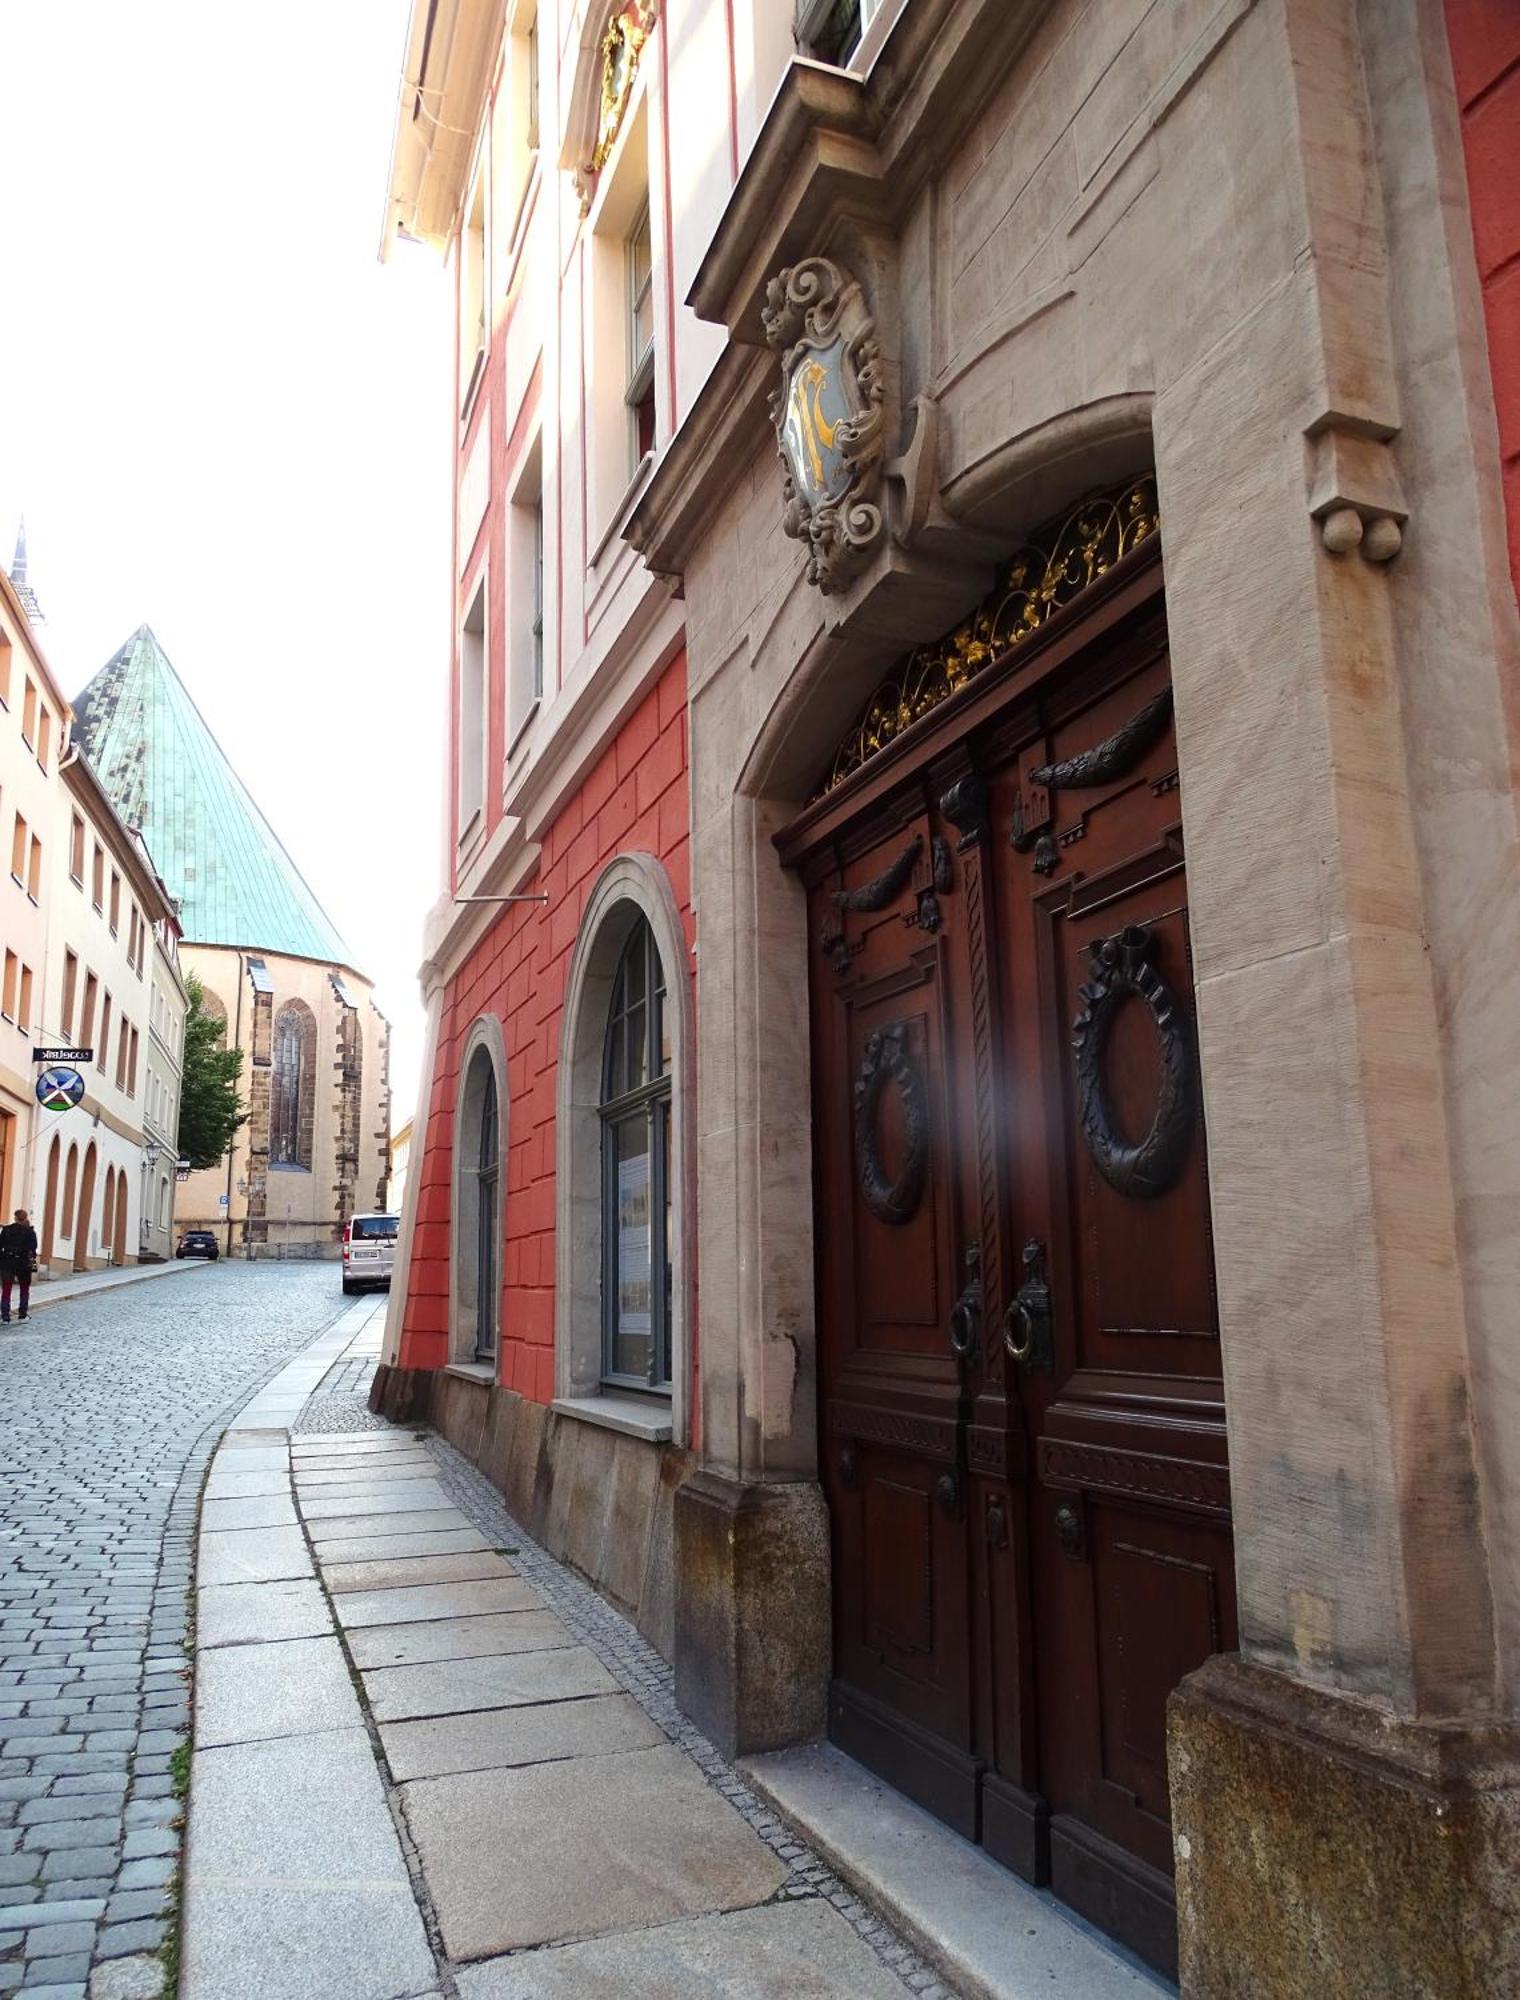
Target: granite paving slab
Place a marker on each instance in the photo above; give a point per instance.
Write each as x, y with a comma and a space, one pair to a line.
786, 1951
358, 1475
333, 1471
325, 1526
295, 1883
498, 1737
232, 1456
269, 1510
395, 1572
457, 1638
642, 1829
374, 1548
247, 1485
239, 1614
287, 1687
491, 1680
395, 1497
434, 1600
252, 1555
341, 1443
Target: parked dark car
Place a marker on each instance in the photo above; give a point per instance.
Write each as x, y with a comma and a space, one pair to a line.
198, 1243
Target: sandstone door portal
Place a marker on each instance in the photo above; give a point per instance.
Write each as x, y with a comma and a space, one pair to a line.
1022, 1417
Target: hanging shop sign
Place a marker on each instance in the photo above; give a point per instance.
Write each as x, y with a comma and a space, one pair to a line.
59, 1089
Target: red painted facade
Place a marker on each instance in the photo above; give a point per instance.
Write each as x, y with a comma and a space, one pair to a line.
634, 800
1485, 55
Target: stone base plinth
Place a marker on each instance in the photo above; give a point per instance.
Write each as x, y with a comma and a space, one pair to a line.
598, 1500
752, 1642
1326, 1850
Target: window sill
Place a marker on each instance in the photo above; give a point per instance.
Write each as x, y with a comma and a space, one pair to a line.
627, 1414
473, 1371
632, 493
472, 388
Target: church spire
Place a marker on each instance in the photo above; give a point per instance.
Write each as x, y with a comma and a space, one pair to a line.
22, 588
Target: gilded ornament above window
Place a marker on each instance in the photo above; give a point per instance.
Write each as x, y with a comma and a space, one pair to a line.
1056, 564
623, 44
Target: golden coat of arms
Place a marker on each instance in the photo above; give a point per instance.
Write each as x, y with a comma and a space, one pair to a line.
828, 416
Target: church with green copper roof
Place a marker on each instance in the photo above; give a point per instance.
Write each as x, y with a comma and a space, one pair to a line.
168, 777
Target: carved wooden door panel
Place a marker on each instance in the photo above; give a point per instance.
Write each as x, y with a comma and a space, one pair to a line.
891, 1271
1114, 1334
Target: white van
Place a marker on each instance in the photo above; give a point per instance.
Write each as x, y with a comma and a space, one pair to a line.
369, 1250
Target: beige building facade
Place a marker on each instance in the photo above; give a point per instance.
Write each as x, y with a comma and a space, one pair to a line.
315, 1080
164, 1061
1057, 771
1227, 246
33, 739
315, 1084
89, 937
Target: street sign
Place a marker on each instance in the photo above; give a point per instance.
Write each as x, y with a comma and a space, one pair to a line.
221, 1201
63, 1055
59, 1089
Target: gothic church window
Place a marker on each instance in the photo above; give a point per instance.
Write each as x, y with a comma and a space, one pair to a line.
293, 1086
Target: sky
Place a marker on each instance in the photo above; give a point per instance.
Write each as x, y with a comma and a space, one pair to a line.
222, 416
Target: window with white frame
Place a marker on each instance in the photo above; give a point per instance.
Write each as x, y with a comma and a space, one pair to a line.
472, 292
516, 134
640, 392
621, 328
831, 30
525, 593
472, 710
636, 1172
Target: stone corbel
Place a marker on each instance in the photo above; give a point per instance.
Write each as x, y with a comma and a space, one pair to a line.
912, 478
1354, 494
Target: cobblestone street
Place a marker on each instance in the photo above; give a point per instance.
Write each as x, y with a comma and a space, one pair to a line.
114, 1401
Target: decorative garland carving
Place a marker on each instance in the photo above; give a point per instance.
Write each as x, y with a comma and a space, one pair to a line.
941, 882
828, 414
886, 887
1059, 562
1123, 967
889, 1059
877, 894
1115, 755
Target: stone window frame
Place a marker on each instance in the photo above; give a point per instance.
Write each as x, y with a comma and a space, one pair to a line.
630, 886
295, 1009
486, 1034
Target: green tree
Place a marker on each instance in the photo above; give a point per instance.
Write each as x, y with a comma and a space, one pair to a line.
210, 1108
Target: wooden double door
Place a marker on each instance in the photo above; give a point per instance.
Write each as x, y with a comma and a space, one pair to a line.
1021, 1408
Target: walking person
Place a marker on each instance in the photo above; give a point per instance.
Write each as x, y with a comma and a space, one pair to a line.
18, 1260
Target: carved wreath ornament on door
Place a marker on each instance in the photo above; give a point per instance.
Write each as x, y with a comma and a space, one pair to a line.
1124, 967
888, 1059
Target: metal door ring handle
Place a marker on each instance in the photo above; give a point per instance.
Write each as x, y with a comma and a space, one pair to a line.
1019, 1350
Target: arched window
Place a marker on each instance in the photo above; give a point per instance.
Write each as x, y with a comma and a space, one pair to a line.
487, 1195
293, 1086
479, 1150
623, 1152
636, 1179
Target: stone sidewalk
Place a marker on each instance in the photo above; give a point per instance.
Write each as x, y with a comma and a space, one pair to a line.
430, 1764
82, 1284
